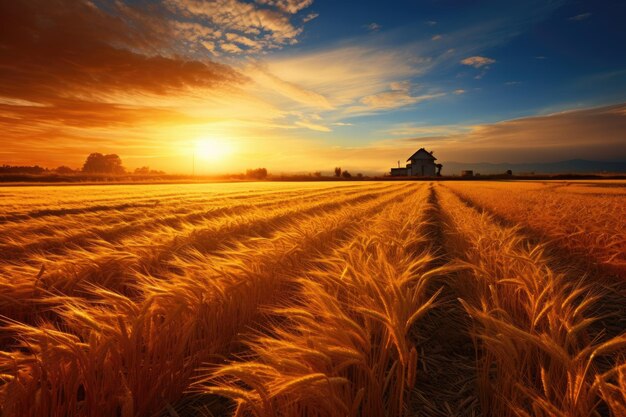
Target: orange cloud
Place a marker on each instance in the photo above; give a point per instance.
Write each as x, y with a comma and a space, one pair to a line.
52, 53
477, 61
595, 133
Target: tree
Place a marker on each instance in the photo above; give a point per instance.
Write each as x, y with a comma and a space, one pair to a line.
337, 172
63, 170
97, 163
359, 176
142, 171
257, 174
346, 174
317, 174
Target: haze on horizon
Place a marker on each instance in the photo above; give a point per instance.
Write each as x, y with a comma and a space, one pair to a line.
306, 85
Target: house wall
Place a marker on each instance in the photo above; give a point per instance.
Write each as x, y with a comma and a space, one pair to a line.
399, 172
424, 168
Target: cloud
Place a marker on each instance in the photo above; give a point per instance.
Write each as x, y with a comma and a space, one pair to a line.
267, 23
289, 6
76, 50
399, 95
410, 129
477, 61
579, 17
311, 121
292, 91
76, 78
346, 74
431, 22
342, 124
312, 126
436, 38
373, 27
243, 40
594, 133
19, 102
310, 17
459, 91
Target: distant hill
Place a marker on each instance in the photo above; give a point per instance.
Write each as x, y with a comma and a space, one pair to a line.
573, 166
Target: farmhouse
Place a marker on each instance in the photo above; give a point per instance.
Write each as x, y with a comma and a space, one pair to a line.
422, 164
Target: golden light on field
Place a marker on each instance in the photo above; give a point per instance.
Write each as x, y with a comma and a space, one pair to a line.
201, 214
344, 292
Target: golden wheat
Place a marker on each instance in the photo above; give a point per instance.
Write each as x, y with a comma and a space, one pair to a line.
313, 299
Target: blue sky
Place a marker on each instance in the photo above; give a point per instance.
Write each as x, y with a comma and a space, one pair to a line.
549, 56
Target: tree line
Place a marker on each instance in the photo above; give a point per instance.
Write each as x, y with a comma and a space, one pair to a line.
96, 163
111, 164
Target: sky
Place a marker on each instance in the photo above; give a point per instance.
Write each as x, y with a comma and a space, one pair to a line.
307, 85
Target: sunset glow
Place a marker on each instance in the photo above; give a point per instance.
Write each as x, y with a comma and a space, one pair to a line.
319, 83
213, 149
312, 208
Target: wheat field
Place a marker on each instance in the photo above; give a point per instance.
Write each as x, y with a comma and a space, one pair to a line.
314, 299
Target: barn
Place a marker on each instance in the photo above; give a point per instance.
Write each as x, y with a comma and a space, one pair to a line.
420, 164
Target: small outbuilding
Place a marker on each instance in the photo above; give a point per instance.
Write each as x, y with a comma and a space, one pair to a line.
420, 164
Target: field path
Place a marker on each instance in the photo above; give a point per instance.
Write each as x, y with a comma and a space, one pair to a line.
447, 378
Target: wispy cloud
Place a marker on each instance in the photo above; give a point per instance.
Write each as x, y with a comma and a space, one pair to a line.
290, 90
310, 17
436, 38
373, 27
400, 94
579, 17
346, 74
595, 133
417, 130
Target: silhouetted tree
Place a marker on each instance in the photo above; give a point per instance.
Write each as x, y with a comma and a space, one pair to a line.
258, 174
15, 169
317, 174
63, 170
338, 172
359, 176
346, 174
97, 163
509, 172
142, 171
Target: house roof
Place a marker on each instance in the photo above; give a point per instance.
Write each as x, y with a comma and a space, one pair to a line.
422, 154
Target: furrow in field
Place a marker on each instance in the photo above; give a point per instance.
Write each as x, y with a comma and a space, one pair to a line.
610, 310
20, 232
114, 266
446, 378
144, 352
342, 346
80, 209
532, 320
103, 196
590, 231
72, 234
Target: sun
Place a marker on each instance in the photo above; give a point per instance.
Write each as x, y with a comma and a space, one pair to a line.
213, 149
